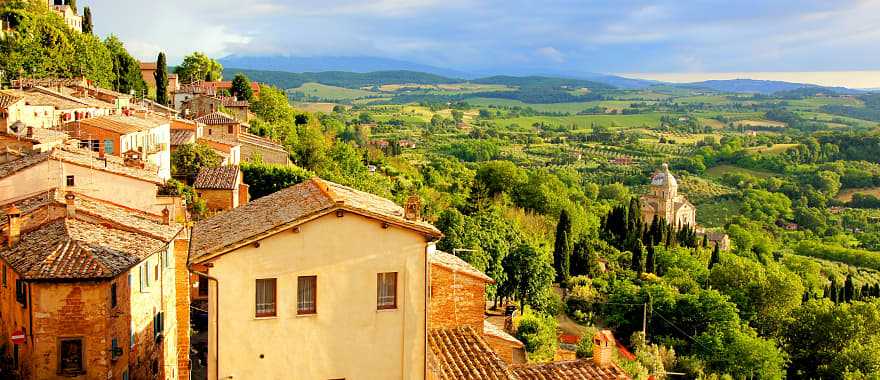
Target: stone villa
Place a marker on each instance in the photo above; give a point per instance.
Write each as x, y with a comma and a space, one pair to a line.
664, 202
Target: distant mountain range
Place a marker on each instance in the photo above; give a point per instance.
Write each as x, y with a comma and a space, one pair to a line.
289, 72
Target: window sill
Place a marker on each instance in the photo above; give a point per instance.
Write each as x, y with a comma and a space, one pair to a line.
266, 318
389, 310
307, 315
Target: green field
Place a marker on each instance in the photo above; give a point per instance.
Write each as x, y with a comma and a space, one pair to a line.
572, 108
322, 91
587, 121
720, 170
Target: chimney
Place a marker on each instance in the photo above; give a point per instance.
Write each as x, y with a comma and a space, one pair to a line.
603, 348
166, 216
70, 201
13, 230
413, 209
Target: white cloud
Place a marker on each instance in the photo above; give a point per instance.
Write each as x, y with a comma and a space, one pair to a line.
550, 53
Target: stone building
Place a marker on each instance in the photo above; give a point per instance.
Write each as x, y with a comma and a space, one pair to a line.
91, 287
115, 135
340, 271
222, 188
664, 202
222, 128
201, 104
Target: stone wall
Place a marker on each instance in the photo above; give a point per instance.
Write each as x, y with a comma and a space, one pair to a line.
182, 285
218, 200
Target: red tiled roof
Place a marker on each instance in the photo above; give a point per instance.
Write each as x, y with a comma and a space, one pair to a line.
81, 157
232, 102
289, 207
122, 124
216, 118
219, 178
584, 369
462, 354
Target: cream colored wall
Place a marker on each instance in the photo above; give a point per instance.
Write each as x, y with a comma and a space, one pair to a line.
158, 296
95, 183
347, 338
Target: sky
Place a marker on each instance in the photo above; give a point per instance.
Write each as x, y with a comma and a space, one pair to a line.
517, 36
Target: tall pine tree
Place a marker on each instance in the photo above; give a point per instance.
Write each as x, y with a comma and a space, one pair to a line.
562, 249
638, 254
649, 260
161, 76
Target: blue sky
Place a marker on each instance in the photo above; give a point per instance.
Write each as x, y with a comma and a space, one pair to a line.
515, 36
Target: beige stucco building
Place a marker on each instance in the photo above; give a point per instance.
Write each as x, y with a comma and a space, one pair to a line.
664, 202
334, 276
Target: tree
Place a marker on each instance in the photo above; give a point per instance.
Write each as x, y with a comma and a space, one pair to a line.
638, 254
161, 76
87, 26
189, 159
562, 249
241, 87
264, 179
650, 260
716, 256
849, 289
529, 274
198, 66
126, 68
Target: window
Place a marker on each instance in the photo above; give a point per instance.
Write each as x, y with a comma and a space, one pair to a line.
108, 146
71, 181
115, 350
265, 297
144, 276
229, 129
307, 295
21, 292
131, 336
158, 324
125, 375
113, 295
156, 273
70, 356
203, 286
169, 259
386, 291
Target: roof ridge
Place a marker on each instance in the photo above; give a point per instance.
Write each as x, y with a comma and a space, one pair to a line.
325, 189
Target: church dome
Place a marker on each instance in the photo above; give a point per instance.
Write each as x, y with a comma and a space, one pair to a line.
664, 178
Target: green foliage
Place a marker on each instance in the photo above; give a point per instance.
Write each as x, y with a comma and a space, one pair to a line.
827, 340
189, 159
740, 352
127, 69
538, 334
265, 179
199, 67
196, 206
42, 46
474, 151
562, 249
87, 26
241, 87
529, 275
161, 76
855, 257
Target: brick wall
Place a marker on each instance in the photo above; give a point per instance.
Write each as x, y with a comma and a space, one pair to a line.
218, 200
510, 352
13, 316
456, 299
182, 285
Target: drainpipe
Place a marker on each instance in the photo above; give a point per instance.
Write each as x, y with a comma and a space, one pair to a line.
217, 325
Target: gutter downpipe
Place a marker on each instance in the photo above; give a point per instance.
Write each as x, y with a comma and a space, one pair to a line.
217, 324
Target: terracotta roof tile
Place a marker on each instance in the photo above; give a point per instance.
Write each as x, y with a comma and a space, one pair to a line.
7, 99
231, 101
456, 264
81, 157
182, 136
123, 124
70, 248
289, 207
217, 118
219, 178
584, 369
462, 354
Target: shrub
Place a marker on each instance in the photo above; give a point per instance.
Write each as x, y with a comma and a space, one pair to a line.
538, 334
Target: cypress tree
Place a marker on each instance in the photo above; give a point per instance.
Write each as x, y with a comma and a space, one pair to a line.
634, 218
849, 289
649, 260
716, 256
241, 88
833, 290
706, 241
161, 76
638, 252
562, 249
87, 26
